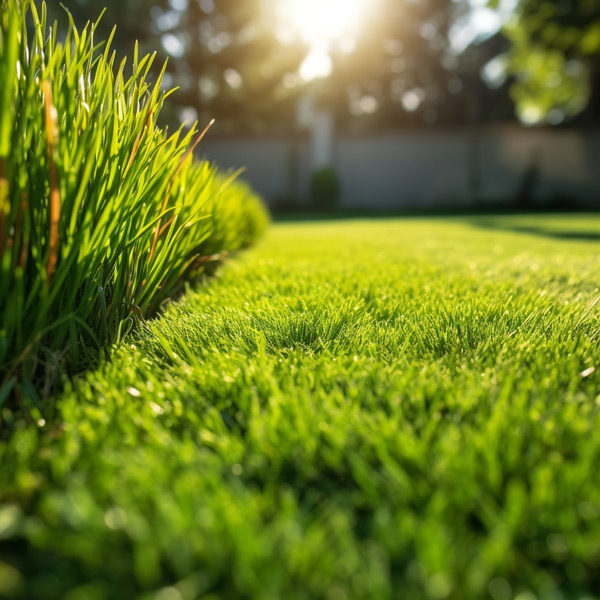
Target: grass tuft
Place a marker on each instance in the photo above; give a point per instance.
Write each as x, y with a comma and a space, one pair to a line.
103, 214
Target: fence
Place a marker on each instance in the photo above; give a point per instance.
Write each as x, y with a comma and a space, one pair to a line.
429, 168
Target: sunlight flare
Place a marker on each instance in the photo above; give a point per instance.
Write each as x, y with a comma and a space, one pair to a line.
321, 22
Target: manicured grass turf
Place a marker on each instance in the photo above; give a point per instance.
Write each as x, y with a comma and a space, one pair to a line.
360, 409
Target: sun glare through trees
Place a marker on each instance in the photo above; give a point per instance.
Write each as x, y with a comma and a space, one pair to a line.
320, 23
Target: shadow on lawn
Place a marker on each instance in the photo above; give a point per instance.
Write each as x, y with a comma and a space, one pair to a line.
486, 218
581, 235
493, 219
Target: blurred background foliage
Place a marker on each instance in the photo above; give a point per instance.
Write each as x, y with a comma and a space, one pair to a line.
554, 57
425, 62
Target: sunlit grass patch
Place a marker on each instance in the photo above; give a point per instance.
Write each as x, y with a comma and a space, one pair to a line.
362, 409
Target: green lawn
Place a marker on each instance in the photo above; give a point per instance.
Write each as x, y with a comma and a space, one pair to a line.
353, 409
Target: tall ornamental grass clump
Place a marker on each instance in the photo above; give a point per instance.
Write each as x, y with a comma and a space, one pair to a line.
103, 214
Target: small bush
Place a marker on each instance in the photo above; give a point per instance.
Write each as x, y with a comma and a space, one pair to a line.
102, 213
325, 189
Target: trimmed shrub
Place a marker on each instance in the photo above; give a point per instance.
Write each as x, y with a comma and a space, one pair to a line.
325, 189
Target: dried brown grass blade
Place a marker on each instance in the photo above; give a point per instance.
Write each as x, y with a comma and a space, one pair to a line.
51, 129
138, 139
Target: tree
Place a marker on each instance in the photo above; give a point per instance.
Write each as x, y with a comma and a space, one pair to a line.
226, 58
406, 68
223, 55
554, 57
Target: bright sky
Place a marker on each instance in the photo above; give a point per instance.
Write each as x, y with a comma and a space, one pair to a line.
479, 23
320, 23
323, 21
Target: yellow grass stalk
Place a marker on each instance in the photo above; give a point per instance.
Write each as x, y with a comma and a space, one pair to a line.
51, 134
136, 143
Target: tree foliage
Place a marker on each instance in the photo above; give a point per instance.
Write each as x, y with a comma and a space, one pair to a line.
405, 68
228, 61
555, 57
223, 55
